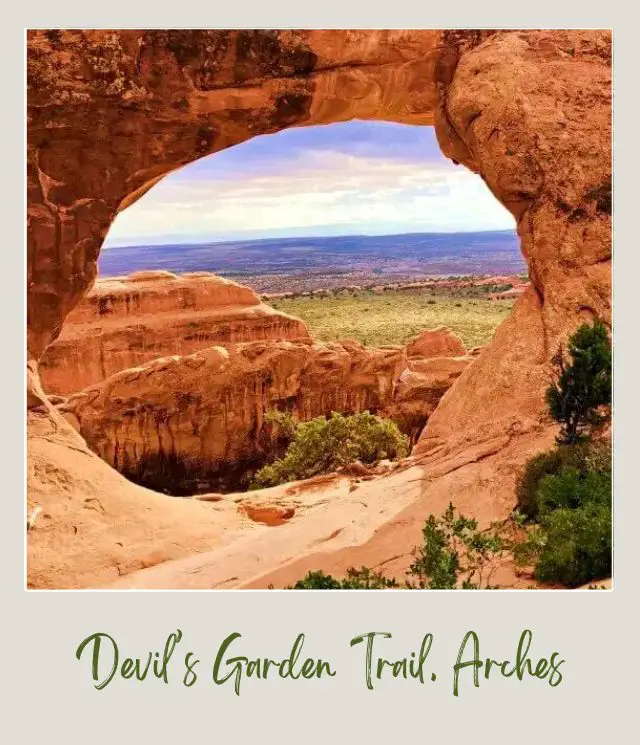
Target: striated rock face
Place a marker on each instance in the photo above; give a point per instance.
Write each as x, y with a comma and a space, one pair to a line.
196, 423
127, 321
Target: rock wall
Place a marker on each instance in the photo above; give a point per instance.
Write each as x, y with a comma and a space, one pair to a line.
531, 113
127, 321
196, 423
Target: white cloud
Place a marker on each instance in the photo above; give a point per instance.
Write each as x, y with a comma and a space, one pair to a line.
320, 189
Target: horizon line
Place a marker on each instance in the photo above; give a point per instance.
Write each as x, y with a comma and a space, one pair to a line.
306, 237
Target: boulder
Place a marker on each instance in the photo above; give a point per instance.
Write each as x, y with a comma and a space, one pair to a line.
438, 342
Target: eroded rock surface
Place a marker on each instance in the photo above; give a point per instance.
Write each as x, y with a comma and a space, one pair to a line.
440, 342
93, 525
531, 112
124, 322
197, 422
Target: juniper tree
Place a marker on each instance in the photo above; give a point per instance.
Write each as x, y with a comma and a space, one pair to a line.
582, 382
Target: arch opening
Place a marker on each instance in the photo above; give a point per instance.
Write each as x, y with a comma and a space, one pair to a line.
374, 267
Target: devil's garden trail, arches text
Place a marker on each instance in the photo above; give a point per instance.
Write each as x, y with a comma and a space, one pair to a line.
229, 667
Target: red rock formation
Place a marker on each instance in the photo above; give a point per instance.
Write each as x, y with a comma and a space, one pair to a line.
110, 112
419, 389
439, 342
196, 423
127, 321
531, 112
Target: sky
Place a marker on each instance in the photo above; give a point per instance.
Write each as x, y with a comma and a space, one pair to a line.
351, 178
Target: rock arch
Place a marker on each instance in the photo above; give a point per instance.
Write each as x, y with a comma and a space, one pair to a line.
111, 112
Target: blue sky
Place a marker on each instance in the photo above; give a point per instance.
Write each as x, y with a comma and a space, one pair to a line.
350, 178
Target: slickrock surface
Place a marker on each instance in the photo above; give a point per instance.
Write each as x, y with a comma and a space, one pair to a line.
376, 524
196, 422
96, 529
127, 321
93, 525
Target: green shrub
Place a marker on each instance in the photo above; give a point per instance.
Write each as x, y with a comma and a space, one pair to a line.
576, 545
453, 547
568, 491
282, 423
279, 429
582, 383
322, 445
356, 579
583, 457
454, 553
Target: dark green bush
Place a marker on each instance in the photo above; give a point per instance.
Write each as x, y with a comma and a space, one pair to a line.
323, 445
568, 491
583, 457
576, 545
582, 384
356, 579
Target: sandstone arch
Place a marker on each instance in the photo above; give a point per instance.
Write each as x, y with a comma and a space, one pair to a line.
111, 112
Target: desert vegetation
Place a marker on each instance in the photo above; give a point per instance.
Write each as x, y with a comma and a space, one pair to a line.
567, 492
454, 553
324, 444
580, 393
566, 497
395, 316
